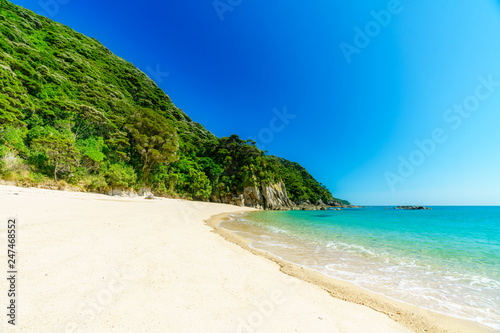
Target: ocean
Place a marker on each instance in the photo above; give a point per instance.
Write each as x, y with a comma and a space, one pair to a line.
446, 259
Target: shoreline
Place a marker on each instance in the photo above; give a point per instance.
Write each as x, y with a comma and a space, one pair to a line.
131, 263
157, 264
412, 317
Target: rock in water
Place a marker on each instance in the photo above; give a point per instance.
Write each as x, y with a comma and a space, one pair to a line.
413, 207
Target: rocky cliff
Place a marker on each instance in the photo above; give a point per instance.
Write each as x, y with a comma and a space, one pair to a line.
272, 197
276, 198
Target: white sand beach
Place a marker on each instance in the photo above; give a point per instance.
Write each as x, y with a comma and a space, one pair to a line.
94, 263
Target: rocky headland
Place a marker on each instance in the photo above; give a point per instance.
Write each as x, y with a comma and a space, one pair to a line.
274, 197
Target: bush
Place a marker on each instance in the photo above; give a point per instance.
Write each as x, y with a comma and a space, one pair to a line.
97, 182
92, 152
120, 175
10, 161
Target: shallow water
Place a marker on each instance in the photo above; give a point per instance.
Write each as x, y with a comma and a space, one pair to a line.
446, 259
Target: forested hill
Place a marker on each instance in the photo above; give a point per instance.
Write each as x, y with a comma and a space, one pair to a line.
73, 112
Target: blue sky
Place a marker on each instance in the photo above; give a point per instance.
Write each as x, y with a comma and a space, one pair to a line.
350, 117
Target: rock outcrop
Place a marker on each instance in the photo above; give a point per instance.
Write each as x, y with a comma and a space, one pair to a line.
307, 205
413, 207
253, 197
275, 197
335, 203
127, 192
122, 192
272, 197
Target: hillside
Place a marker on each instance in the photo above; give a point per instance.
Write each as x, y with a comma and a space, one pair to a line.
74, 113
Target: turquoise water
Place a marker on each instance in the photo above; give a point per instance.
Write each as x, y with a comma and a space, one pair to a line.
446, 259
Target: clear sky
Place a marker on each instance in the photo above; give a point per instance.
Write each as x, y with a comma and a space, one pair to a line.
344, 88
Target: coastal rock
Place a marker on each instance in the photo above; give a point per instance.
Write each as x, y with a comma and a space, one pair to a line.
272, 197
336, 203
237, 200
253, 197
306, 205
126, 192
250, 197
145, 191
276, 197
413, 207
320, 203
269, 197
122, 192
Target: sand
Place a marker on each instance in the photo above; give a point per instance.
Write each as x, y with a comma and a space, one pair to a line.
94, 263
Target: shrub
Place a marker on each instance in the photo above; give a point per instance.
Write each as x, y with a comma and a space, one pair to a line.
120, 175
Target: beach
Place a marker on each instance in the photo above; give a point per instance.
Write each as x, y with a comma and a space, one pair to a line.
95, 263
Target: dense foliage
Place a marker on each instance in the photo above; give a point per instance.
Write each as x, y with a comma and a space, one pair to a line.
72, 111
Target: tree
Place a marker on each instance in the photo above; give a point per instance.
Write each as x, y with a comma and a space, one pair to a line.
89, 120
92, 152
154, 139
60, 152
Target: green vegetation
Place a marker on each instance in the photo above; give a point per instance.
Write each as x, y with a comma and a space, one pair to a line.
72, 112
